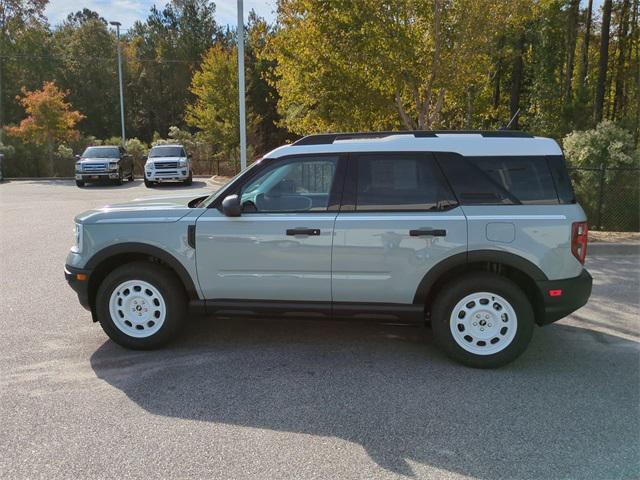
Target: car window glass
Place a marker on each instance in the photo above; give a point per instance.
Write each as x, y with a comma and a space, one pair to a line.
400, 182
101, 152
167, 152
301, 185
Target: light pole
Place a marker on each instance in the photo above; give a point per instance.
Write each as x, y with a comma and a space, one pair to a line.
241, 99
117, 25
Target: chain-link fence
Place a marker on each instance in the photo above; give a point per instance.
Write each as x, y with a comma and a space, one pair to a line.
609, 196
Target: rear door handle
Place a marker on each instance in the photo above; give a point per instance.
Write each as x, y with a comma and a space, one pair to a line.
303, 231
428, 233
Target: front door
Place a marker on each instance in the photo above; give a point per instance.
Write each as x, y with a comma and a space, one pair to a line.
399, 218
280, 247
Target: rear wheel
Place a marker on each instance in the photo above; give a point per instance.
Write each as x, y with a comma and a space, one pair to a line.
131, 175
482, 320
141, 305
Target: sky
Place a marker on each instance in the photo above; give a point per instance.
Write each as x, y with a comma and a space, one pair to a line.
128, 11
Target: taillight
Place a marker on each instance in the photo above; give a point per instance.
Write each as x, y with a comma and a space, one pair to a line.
579, 232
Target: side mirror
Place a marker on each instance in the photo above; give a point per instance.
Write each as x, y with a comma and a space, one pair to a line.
145, 158
190, 155
77, 157
231, 206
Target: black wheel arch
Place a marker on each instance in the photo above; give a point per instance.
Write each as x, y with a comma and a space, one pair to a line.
518, 269
106, 260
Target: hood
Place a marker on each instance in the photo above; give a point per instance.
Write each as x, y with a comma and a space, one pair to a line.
141, 210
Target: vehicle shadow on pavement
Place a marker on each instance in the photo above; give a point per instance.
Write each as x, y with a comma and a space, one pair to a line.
567, 408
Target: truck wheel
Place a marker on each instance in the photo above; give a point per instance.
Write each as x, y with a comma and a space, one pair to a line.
141, 305
118, 181
148, 183
131, 176
80, 183
189, 180
482, 320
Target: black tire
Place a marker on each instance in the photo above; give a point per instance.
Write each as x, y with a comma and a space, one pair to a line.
171, 290
131, 179
118, 181
148, 183
80, 183
456, 290
189, 180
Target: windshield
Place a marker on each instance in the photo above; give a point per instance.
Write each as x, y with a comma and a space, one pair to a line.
167, 152
211, 198
101, 152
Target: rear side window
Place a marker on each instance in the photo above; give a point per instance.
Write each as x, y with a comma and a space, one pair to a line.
400, 182
501, 180
561, 179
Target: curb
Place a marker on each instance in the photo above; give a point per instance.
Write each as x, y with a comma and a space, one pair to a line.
602, 248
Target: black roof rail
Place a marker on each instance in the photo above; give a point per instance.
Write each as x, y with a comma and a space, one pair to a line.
328, 138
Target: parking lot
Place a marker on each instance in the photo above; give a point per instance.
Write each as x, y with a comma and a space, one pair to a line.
293, 398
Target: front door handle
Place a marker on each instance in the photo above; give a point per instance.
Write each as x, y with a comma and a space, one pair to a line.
303, 231
428, 233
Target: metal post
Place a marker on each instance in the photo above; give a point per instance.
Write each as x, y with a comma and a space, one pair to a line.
117, 25
603, 173
241, 94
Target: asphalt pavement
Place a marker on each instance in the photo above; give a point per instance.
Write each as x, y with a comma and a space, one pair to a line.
296, 399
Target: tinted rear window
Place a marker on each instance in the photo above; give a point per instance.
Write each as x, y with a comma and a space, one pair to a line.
402, 181
505, 180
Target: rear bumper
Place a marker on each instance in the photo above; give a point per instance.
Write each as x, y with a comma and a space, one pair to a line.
574, 293
81, 287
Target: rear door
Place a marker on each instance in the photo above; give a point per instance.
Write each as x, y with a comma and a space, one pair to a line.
398, 219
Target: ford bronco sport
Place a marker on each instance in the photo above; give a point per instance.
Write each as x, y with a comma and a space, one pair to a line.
477, 233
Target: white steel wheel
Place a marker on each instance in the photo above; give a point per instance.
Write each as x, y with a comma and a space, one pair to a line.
137, 308
483, 323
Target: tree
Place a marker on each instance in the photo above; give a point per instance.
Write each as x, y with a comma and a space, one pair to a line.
604, 61
215, 110
86, 53
49, 120
163, 54
15, 16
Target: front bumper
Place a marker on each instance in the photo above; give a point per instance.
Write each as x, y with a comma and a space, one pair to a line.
569, 295
78, 280
179, 174
87, 177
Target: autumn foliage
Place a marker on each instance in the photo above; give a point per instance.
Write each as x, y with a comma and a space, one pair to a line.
49, 120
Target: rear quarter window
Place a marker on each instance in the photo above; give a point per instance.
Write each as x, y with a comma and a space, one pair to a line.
509, 180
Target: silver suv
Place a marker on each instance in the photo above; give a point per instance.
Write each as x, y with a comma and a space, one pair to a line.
108, 162
476, 233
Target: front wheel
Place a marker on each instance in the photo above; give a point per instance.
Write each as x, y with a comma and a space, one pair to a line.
118, 181
141, 305
482, 320
80, 183
189, 180
148, 183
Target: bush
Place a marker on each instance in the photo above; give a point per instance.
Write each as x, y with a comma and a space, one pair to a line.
606, 160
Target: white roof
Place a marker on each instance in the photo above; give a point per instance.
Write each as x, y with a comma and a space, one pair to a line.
168, 145
468, 144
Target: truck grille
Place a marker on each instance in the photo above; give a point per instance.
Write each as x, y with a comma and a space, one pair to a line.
94, 167
162, 165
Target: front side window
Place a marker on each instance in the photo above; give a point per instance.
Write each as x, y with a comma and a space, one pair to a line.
398, 182
300, 185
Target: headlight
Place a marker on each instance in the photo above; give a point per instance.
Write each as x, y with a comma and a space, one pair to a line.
78, 167
78, 234
113, 165
182, 163
150, 166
